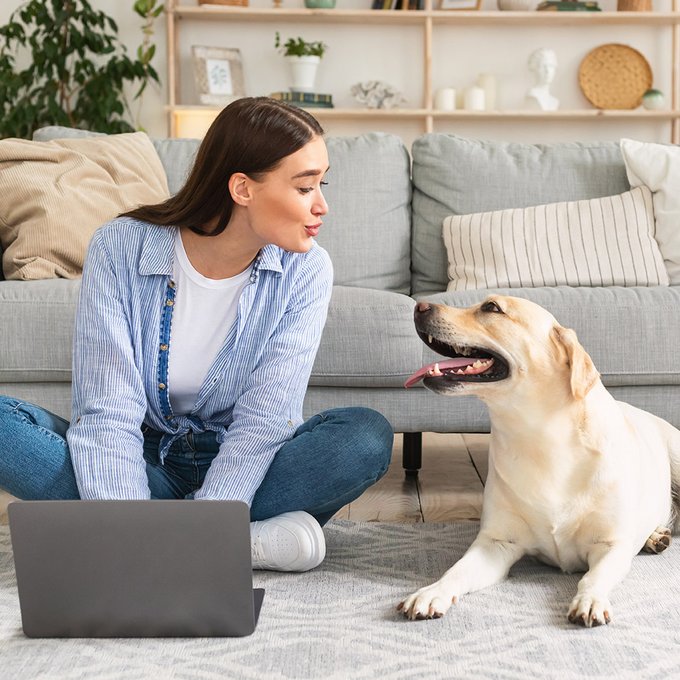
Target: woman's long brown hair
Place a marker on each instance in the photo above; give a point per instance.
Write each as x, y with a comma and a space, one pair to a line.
252, 135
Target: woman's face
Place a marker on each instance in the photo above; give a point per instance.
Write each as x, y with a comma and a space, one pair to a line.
287, 205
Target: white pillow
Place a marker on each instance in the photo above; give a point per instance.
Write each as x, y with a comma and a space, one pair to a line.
657, 166
600, 242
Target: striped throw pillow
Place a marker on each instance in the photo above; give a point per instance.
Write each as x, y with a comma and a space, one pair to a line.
599, 242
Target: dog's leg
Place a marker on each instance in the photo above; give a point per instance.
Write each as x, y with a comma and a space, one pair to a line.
658, 541
486, 562
608, 564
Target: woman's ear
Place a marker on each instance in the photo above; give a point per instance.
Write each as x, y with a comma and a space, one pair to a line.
239, 188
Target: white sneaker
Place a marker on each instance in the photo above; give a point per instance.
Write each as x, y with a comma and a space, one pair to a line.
293, 541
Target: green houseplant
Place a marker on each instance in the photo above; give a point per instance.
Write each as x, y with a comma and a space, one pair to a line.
303, 58
298, 47
78, 69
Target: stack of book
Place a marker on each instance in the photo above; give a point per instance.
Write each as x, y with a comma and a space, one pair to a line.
308, 100
568, 6
398, 4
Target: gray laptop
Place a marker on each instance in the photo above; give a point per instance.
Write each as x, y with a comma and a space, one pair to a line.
134, 568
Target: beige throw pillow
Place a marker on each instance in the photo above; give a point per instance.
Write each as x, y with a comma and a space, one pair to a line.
54, 195
598, 242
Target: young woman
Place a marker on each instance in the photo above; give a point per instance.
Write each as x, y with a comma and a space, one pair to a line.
197, 326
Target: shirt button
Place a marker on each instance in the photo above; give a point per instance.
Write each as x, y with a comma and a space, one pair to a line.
164, 347
161, 386
290, 423
172, 284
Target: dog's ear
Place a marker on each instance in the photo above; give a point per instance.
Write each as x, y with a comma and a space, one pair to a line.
584, 375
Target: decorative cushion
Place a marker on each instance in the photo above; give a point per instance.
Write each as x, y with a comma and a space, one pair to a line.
456, 176
177, 155
55, 195
657, 166
599, 242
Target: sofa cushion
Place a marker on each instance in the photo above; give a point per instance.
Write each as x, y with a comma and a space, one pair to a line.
605, 241
36, 333
367, 231
657, 166
177, 155
456, 176
55, 194
368, 340
630, 333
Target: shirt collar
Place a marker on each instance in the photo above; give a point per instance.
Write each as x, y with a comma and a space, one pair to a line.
158, 253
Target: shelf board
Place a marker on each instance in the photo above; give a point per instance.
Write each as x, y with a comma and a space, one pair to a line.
417, 114
399, 17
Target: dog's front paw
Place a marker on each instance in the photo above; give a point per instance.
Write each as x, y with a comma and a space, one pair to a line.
431, 602
590, 611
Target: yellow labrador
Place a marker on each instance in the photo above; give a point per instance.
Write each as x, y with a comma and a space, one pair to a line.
576, 479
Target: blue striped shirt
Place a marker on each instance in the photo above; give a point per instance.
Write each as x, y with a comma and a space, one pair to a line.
252, 395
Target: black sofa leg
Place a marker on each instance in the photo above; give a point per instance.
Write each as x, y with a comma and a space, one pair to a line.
412, 459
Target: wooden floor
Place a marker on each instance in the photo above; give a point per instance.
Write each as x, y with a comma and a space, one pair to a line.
447, 489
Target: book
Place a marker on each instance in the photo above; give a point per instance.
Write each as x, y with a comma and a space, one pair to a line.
568, 6
306, 99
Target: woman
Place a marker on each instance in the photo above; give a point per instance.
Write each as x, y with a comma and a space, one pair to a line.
197, 326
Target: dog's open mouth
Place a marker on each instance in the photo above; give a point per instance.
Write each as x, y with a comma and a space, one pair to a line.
467, 364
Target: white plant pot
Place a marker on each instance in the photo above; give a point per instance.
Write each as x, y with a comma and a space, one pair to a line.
303, 72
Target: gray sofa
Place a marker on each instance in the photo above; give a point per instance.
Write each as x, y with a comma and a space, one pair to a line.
384, 236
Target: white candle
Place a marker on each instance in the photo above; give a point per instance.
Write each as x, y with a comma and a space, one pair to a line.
487, 82
474, 98
445, 99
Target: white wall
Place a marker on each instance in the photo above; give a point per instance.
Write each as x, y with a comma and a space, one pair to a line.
395, 54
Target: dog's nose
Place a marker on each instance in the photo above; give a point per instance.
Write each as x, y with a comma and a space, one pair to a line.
422, 308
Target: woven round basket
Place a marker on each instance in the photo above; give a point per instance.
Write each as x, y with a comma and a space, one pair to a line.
614, 76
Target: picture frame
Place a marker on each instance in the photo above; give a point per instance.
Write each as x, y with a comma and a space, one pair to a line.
218, 74
460, 4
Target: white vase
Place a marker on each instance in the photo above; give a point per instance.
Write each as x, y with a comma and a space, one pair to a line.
303, 72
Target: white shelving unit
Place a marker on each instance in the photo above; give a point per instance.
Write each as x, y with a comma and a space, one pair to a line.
427, 21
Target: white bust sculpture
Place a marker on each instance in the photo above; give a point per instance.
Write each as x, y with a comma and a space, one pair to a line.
543, 64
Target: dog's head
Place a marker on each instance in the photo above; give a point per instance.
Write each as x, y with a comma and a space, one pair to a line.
499, 344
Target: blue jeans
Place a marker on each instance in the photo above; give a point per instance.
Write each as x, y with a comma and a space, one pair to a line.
331, 459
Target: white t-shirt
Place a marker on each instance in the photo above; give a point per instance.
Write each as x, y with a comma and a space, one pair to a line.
204, 311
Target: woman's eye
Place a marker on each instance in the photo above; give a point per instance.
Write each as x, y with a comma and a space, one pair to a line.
305, 190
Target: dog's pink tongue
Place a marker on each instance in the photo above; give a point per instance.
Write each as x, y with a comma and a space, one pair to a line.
446, 363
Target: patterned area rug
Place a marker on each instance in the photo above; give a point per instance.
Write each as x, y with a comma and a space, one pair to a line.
339, 621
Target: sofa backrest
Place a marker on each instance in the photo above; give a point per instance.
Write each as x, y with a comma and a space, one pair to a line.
368, 229
457, 176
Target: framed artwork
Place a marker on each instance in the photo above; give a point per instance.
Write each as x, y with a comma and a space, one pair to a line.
218, 73
460, 4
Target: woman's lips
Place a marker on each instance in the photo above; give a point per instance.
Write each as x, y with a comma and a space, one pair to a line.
313, 229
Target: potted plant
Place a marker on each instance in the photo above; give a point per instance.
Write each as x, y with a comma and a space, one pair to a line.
62, 63
304, 58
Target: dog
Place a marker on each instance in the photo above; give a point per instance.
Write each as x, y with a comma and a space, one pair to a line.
576, 479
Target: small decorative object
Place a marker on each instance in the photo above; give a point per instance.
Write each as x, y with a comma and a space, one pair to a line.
460, 4
474, 98
487, 82
568, 6
653, 100
634, 5
614, 76
543, 64
304, 58
218, 73
517, 5
445, 99
319, 4
375, 94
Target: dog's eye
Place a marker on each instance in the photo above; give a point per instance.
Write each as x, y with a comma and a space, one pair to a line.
491, 306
